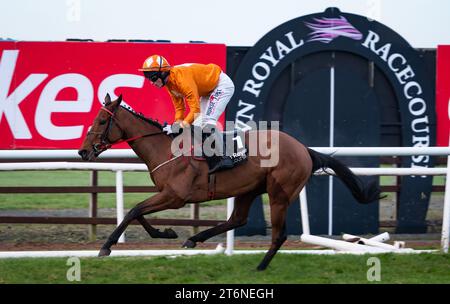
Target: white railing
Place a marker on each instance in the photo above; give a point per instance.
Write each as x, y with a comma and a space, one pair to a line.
117, 168
336, 151
128, 153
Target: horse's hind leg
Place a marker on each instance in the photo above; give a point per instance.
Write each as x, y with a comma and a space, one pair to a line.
238, 218
278, 218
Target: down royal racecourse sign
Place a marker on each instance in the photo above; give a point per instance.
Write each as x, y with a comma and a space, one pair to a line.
340, 31
275, 61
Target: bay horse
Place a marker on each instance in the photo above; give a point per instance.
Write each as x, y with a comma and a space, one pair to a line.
184, 180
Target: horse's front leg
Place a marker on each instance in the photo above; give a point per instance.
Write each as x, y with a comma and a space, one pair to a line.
156, 233
158, 202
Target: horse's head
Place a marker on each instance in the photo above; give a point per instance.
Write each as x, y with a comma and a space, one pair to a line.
103, 132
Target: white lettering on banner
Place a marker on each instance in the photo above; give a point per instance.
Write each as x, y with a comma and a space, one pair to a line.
409, 85
263, 72
448, 110
109, 84
268, 55
9, 105
393, 57
240, 124
405, 74
370, 41
417, 107
48, 104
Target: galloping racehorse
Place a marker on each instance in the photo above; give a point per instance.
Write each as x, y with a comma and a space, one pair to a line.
184, 180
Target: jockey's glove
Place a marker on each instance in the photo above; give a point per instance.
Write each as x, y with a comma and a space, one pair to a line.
168, 129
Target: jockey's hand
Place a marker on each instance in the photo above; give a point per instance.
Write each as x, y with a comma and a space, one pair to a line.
179, 125
184, 124
175, 128
167, 129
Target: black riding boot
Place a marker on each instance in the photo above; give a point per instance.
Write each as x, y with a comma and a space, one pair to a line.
216, 162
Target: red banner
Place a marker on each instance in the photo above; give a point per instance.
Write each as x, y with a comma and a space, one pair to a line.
443, 95
50, 92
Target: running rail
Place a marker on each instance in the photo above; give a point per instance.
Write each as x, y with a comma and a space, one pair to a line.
335, 151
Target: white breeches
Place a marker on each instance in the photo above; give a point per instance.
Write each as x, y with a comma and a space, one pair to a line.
212, 106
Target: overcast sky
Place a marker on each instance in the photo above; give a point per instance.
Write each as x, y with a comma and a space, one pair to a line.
424, 23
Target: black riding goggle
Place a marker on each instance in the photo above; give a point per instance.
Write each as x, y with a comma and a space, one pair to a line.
152, 75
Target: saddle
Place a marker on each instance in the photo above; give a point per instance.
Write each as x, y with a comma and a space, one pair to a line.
220, 150
215, 145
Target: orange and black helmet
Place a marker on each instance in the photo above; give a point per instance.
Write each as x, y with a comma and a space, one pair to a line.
155, 67
155, 63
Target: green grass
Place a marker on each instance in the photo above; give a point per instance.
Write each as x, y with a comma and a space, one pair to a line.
285, 268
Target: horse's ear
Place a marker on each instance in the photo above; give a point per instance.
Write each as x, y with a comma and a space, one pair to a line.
119, 100
107, 99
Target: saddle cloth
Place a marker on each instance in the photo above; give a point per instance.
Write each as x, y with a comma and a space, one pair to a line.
234, 145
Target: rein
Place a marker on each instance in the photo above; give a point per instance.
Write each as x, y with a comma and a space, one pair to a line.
103, 145
132, 138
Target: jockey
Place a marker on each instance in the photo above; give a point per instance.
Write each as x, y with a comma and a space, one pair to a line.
204, 87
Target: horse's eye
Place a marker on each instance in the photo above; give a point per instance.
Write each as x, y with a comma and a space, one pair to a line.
103, 121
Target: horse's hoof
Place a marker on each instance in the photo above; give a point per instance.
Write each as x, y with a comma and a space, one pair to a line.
189, 244
104, 252
169, 233
261, 268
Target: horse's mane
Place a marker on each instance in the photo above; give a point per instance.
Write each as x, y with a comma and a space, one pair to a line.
141, 116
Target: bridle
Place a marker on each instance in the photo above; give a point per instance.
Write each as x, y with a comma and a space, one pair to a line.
104, 143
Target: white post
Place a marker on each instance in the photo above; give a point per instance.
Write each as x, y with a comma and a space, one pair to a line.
378, 238
339, 245
381, 237
230, 233
119, 202
446, 212
369, 242
304, 211
330, 178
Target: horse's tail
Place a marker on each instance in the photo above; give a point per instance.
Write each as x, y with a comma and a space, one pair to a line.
364, 194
